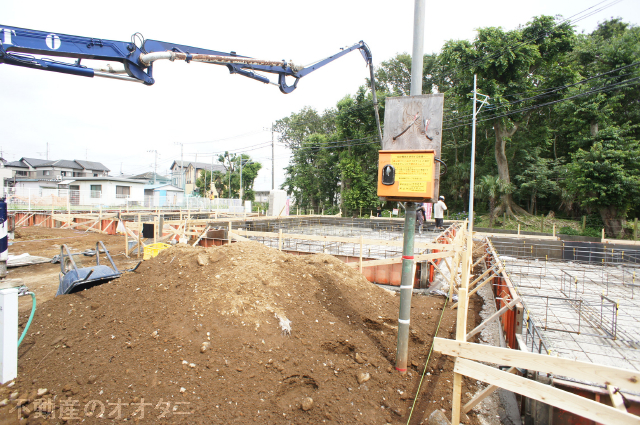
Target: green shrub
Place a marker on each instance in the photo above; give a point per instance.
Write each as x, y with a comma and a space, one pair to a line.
591, 232
566, 230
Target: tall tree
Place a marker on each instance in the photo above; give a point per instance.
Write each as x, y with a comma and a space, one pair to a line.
228, 184
510, 66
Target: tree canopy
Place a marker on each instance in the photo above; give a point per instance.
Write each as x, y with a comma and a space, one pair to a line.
561, 130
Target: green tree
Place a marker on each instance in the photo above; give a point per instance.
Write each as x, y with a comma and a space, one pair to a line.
228, 183
207, 181
510, 65
492, 187
607, 177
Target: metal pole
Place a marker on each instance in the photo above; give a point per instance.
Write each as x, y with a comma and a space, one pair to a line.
273, 160
240, 191
473, 159
418, 47
408, 273
406, 287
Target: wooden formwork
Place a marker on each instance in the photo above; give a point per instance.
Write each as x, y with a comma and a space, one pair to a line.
469, 357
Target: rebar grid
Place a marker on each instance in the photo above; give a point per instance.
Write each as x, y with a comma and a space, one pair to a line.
333, 226
585, 310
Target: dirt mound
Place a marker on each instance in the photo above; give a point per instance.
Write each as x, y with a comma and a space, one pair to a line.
234, 334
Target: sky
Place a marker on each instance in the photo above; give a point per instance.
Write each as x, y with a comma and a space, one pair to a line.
201, 108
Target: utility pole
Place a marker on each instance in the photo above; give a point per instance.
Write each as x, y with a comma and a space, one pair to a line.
473, 154
242, 163
181, 164
408, 265
273, 159
155, 164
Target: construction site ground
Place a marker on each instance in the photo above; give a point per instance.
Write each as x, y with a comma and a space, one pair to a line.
233, 334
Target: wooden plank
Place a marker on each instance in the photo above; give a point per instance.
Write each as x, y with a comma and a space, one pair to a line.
461, 331
479, 278
477, 288
493, 317
582, 371
201, 236
483, 394
616, 398
573, 403
513, 236
423, 257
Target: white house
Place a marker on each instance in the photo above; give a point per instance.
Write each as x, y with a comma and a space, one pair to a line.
112, 191
162, 195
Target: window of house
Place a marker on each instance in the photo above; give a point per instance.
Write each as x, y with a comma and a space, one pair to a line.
96, 190
63, 173
22, 173
95, 174
123, 191
46, 173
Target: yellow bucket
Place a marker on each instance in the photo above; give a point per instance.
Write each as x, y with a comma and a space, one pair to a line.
154, 249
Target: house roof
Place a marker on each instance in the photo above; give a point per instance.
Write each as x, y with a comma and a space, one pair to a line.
62, 163
107, 178
34, 162
164, 186
76, 164
198, 165
91, 165
148, 176
17, 164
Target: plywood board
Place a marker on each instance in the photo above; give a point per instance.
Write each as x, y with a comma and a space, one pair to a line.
410, 113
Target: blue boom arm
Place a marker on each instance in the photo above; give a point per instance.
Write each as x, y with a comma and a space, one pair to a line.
18, 47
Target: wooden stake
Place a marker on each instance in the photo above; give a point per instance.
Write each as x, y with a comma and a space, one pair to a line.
126, 241
554, 230
360, 253
518, 229
461, 333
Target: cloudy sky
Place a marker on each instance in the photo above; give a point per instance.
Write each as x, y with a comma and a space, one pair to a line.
201, 106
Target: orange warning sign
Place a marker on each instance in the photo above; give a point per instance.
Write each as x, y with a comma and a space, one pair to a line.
406, 175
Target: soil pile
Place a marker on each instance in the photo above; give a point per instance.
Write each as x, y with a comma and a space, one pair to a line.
233, 334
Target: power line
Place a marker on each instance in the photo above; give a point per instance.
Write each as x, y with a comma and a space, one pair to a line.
550, 90
608, 88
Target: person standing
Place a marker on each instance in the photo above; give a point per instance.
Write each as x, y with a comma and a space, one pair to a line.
438, 212
420, 215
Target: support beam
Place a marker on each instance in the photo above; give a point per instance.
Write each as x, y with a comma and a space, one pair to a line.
483, 394
545, 393
418, 258
616, 399
582, 371
493, 317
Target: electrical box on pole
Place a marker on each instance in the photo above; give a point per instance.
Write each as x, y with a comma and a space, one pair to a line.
409, 163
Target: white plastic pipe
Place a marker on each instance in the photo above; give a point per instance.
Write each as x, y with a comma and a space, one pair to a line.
8, 334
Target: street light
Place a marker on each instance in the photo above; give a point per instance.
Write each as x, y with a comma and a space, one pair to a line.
242, 162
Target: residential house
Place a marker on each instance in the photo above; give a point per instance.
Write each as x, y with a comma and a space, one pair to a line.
185, 173
42, 169
151, 178
5, 174
106, 191
163, 195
